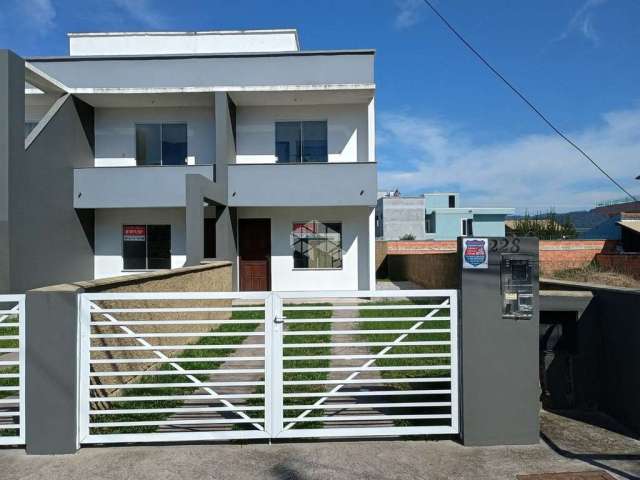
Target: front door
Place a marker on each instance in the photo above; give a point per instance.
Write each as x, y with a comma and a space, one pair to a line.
255, 254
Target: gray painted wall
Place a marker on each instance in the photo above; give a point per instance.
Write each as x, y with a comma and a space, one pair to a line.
606, 360
51, 376
212, 71
11, 147
401, 216
499, 360
51, 242
303, 184
135, 187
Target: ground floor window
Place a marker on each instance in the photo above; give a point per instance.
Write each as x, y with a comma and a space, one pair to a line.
467, 227
317, 245
146, 247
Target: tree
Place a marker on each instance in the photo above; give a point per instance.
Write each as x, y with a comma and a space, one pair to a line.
545, 226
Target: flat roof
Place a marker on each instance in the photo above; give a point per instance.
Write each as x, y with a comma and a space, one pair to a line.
478, 210
633, 225
171, 56
177, 32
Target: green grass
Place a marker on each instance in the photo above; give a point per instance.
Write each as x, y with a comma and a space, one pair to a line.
177, 378
8, 343
319, 363
8, 382
408, 349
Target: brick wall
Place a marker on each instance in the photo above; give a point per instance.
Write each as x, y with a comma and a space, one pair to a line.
628, 263
428, 271
401, 247
555, 255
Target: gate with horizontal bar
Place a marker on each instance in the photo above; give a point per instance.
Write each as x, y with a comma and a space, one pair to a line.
261, 365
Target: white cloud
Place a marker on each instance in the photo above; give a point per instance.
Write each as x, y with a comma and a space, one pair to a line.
532, 171
41, 14
409, 13
142, 11
582, 23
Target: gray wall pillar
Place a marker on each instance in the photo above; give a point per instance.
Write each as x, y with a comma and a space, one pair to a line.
225, 139
11, 148
51, 242
52, 375
500, 387
198, 189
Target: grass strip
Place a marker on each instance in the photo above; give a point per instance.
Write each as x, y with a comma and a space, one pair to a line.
408, 350
8, 382
311, 363
177, 378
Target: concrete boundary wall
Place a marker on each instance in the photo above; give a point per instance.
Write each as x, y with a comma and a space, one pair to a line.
554, 255
612, 381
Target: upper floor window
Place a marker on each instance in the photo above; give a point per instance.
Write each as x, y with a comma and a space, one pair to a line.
301, 142
161, 143
452, 201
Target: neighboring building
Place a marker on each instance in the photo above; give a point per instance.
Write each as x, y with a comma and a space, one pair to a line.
435, 216
623, 227
150, 151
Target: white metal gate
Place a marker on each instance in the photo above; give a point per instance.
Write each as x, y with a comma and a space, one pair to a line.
195, 366
12, 371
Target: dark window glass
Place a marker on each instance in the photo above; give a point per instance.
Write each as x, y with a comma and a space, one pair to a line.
452, 201
146, 247
134, 247
174, 144
317, 245
467, 227
209, 238
158, 246
148, 151
301, 142
314, 141
288, 145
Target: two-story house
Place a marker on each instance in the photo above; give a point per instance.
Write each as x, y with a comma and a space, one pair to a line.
149, 151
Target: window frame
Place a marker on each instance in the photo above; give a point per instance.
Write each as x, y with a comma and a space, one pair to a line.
464, 227
300, 131
135, 142
146, 245
304, 269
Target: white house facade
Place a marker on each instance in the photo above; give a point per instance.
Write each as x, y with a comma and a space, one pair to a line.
175, 147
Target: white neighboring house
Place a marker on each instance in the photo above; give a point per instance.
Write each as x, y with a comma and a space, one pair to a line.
228, 145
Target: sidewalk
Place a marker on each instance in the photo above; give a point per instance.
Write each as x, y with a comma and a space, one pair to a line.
366, 459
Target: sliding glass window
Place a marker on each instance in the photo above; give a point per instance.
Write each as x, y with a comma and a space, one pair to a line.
161, 144
301, 142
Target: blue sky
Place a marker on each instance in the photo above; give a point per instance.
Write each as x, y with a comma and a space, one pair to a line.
444, 123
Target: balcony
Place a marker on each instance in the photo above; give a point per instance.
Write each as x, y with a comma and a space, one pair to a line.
134, 187
302, 184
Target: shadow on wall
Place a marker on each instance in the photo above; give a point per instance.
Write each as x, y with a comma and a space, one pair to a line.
431, 271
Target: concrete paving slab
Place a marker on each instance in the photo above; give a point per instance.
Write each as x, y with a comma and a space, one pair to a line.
410, 459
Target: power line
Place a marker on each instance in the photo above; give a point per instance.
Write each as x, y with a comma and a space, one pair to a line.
525, 100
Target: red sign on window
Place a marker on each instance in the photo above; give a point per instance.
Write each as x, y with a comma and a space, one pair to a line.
135, 233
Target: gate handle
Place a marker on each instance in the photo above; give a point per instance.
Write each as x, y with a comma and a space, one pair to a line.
278, 319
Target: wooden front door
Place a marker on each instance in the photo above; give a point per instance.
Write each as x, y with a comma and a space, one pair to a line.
255, 254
